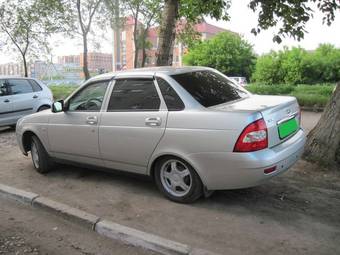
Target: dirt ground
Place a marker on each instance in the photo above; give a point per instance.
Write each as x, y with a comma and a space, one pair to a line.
295, 213
26, 230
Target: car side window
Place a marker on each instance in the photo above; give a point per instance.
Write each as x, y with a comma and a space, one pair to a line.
36, 87
3, 88
171, 98
134, 95
19, 86
90, 98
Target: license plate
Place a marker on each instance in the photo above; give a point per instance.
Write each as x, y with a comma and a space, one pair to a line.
287, 128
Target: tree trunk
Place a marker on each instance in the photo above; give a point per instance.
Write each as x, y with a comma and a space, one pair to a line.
85, 63
323, 142
135, 37
167, 33
144, 35
25, 65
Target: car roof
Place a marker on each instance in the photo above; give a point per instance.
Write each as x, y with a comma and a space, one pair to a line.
13, 77
168, 70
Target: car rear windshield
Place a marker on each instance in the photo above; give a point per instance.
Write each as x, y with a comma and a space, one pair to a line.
209, 88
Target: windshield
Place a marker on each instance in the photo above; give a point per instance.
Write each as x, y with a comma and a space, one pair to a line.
210, 88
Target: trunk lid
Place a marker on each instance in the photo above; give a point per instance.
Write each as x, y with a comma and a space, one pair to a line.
281, 114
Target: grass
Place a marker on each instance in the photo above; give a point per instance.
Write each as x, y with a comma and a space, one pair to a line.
307, 95
62, 91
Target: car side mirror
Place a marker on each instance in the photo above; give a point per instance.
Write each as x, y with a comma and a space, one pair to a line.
58, 106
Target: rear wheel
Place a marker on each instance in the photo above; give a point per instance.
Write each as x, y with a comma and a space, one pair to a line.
41, 160
177, 180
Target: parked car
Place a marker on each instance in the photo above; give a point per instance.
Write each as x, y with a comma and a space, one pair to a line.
240, 80
20, 97
192, 129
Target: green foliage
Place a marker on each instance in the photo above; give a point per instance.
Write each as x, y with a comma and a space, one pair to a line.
261, 89
62, 91
26, 25
193, 10
227, 52
291, 16
296, 65
307, 95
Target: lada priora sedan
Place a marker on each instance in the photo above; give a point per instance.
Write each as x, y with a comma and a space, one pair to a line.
192, 129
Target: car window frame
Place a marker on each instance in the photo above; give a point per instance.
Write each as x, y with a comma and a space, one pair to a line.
160, 91
31, 81
67, 101
9, 87
162, 105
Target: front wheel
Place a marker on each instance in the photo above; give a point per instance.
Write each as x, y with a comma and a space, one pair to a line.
41, 160
177, 180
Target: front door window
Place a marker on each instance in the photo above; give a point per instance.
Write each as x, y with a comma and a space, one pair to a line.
89, 99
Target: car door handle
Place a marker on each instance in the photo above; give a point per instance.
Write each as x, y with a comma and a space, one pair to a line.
35, 96
153, 122
91, 120
6, 100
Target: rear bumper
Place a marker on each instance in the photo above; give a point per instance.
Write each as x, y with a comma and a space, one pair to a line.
241, 170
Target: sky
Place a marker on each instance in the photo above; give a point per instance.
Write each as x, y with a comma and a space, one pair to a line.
242, 21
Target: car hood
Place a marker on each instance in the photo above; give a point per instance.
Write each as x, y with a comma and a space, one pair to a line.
39, 117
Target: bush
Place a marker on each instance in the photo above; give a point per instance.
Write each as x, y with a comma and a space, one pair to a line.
296, 65
226, 52
61, 91
270, 89
307, 95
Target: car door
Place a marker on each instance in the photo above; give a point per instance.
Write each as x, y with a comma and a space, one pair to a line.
133, 124
6, 117
23, 97
73, 133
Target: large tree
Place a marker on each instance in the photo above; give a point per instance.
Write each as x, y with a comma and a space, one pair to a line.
86, 10
192, 10
27, 25
323, 143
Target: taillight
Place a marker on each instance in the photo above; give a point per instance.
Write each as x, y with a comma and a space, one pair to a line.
253, 138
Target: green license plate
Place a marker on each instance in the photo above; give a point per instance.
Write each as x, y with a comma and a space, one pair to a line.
287, 128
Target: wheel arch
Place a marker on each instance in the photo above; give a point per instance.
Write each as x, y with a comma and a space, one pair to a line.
43, 105
156, 158
27, 139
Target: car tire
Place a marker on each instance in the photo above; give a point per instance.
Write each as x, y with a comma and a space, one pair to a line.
177, 180
44, 107
40, 158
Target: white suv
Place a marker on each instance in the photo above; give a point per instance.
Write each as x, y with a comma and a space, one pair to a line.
20, 97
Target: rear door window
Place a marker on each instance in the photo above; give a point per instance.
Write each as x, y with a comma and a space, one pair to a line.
209, 88
134, 95
36, 87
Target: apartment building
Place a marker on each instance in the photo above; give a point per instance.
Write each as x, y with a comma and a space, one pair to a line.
126, 56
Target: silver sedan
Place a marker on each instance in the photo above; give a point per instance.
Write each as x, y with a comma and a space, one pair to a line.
192, 129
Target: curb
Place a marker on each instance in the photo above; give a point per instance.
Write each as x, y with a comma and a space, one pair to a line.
17, 194
103, 227
139, 238
69, 213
